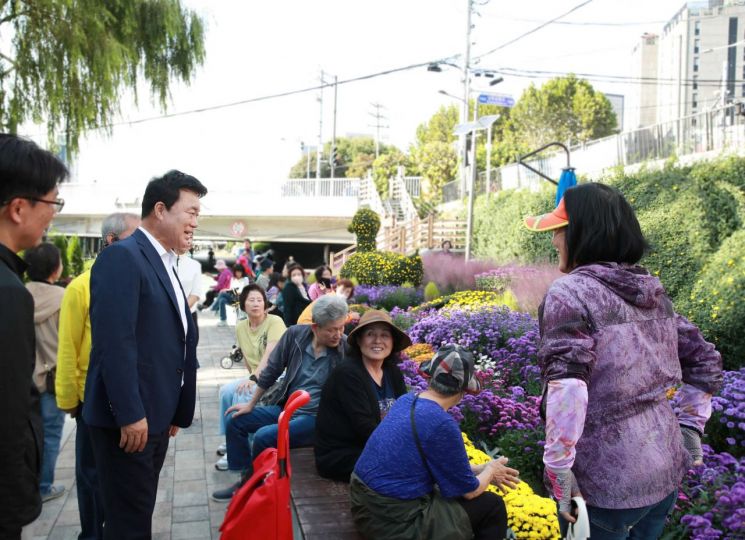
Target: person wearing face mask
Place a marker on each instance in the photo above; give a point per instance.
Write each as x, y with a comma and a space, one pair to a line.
358, 394
344, 289
294, 295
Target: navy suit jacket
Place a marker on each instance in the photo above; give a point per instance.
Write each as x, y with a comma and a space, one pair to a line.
139, 353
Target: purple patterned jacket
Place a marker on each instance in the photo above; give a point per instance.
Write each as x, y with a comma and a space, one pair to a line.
613, 327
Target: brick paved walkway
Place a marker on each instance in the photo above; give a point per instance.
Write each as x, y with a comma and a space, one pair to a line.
183, 508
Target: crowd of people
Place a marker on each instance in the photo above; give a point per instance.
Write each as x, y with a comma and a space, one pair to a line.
116, 350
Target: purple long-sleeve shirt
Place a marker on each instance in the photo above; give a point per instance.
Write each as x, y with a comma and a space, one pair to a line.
223, 280
613, 328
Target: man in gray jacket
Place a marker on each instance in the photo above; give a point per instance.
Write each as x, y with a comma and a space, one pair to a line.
307, 354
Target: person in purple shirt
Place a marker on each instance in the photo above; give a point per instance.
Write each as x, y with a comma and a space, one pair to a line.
611, 346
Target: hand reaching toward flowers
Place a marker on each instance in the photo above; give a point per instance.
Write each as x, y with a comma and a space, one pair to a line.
502, 476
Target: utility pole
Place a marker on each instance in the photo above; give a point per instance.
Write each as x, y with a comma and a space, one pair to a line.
320, 131
466, 92
332, 154
379, 117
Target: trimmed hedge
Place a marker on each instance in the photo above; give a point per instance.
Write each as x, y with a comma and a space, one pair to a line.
717, 302
365, 225
383, 268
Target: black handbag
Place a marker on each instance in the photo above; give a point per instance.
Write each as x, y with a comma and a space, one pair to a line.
50, 379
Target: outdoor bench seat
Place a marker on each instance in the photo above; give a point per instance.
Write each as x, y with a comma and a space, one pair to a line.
320, 507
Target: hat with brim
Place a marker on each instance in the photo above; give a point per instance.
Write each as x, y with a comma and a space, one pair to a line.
453, 366
220, 264
556, 219
400, 339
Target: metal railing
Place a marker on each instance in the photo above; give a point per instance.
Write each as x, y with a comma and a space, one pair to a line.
321, 187
413, 186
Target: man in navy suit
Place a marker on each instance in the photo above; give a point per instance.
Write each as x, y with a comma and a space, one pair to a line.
141, 382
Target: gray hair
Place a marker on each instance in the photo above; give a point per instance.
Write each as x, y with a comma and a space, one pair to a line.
329, 308
116, 224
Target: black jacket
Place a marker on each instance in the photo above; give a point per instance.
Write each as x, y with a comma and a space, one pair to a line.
294, 303
21, 428
348, 414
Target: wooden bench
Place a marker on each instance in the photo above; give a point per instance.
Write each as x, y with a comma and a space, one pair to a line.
320, 507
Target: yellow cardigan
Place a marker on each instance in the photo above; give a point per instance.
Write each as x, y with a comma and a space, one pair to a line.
74, 350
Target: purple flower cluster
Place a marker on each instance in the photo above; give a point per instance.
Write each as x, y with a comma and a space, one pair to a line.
506, 341
491, 415
727, 427
387, 296
711, 503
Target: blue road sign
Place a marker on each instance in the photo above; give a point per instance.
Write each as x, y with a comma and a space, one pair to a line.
503, 100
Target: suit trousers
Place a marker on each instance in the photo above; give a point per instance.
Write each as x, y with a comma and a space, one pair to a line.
128, 482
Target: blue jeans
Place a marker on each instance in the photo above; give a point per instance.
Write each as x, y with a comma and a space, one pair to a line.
221, 302
54, 419
644, 523
90, 503
262, 423
229, 397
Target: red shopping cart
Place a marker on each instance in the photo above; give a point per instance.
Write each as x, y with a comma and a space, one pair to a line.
260, 509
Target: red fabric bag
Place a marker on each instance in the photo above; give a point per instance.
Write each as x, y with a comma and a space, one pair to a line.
260, 509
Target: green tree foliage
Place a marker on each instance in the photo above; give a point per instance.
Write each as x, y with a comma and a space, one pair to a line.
75, 256
437, 163
355, 156
61, 242
68, 63
439, 128
564, 109
386, 165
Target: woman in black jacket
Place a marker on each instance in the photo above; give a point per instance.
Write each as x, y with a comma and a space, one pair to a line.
358, 394
294, 295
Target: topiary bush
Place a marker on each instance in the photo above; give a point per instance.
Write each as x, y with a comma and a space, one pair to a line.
716, 303
383, 268
75, 256
431, 291
365, 225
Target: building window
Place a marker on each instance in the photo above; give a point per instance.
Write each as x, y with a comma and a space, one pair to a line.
696, 46
695, 82
697, 28
694, 100
695, 64
743, 90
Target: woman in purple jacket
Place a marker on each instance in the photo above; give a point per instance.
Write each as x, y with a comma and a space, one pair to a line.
611, 346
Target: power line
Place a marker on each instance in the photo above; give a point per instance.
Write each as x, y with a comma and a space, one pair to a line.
536, 73
532, 31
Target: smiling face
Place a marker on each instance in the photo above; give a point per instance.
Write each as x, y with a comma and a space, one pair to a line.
177, 224
559, 241
376, 342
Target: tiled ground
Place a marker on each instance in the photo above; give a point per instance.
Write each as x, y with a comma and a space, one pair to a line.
183, 508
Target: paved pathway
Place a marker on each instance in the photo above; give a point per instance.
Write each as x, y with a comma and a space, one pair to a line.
183, 508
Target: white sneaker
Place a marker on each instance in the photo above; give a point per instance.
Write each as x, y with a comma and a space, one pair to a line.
222, 463
222, 323
54, 492
222, 449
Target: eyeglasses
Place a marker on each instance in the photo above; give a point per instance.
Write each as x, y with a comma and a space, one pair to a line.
59, 203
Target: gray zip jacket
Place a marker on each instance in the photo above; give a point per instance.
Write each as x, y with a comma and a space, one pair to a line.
287, 357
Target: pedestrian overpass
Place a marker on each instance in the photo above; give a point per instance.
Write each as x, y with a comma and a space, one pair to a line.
303, 211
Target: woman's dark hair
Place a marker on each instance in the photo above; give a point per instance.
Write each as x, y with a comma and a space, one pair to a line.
245, 292
42, 260
602, 226
27, 170
238, 268
167, 189
295, 266
319, 272
275, 278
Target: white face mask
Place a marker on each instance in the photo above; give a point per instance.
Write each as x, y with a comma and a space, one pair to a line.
297, 280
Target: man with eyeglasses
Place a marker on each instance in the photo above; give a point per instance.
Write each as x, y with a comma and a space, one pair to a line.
28, 201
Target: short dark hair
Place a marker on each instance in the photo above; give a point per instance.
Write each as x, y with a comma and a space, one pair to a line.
319, 272
448, 242
238, 268
275, 278
167, 189
27, 170
602, 226
42, 260
245, 292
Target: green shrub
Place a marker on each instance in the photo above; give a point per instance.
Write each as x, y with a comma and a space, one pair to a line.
383, 268
365, 225
75, 256
431, 291
499, 233
716, 302
61, 243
